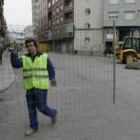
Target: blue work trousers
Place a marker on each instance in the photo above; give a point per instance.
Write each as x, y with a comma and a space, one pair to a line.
37, 99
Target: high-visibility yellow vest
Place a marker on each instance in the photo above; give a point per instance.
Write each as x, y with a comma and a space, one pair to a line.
35, 74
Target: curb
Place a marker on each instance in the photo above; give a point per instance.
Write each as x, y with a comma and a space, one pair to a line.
11, 83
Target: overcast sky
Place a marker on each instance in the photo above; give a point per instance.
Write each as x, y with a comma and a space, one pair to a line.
18, 12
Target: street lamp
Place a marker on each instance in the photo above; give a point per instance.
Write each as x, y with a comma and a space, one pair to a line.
114, 18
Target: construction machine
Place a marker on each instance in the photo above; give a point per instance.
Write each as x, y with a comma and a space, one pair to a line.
129, 51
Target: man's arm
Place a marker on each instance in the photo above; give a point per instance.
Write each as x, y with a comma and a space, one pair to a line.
51, 71
15, 60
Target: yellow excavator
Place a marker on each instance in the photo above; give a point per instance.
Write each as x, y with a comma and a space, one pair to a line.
129, 51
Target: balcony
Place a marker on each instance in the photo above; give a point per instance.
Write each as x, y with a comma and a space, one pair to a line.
49, 16
49, 9
69, 20
68, 35
68, 9
68, 27
66, 31
68, 0
49, 35
50, 24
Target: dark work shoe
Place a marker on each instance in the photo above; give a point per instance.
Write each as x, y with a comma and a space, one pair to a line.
30, 131
54, 119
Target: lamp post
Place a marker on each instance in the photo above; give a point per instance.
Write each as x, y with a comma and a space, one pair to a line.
113, 18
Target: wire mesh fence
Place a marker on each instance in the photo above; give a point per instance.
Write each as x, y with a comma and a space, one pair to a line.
83, 95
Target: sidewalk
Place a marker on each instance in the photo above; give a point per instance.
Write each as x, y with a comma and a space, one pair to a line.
7, 75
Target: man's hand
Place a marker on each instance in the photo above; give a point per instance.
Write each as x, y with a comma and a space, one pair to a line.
53, 83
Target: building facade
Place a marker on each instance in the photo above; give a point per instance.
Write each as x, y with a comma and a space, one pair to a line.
127, 19
88, 24
62, 22
77, 25
62, 25
74, 25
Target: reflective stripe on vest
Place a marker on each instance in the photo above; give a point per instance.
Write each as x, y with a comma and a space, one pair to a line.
34, 69
35, 74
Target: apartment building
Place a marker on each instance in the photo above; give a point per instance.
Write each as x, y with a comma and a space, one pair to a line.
127, 19
70, 24
60, 23
74, 24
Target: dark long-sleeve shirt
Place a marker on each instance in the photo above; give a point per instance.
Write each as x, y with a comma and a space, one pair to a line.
17, 63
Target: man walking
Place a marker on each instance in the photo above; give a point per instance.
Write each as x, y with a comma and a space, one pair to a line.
38, 72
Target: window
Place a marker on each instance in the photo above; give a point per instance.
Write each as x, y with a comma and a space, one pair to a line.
135, 44
57, 21
130, 1
57, 10
113, 1
129, 15
53, 22
53, 13
49, 4
87, 40
61, 7
61, 19
88, 11
128, 43
109, 36
53, 2
87, 25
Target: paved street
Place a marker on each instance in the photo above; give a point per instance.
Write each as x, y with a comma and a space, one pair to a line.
84, 100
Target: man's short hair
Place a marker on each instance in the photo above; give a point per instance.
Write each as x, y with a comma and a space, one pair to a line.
29, 41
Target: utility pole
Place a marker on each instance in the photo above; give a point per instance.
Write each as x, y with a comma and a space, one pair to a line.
114, 65
114, 58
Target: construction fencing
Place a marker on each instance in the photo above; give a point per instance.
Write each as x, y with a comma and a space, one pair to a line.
83, 96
